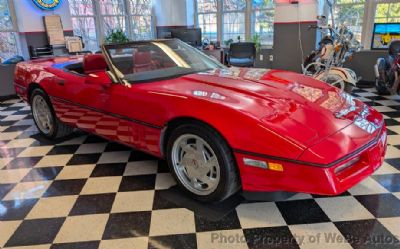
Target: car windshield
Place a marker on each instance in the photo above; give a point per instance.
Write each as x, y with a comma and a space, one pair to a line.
152, 60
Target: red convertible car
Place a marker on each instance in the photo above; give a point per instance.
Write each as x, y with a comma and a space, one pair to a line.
221, 129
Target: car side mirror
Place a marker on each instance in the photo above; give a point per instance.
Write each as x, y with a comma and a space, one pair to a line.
99, 78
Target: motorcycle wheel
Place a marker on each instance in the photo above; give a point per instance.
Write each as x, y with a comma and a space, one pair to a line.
382, 87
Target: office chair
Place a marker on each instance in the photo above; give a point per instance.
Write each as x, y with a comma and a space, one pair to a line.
242, 54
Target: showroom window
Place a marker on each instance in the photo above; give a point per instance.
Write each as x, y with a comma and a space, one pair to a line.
207, 11
262, 20
387, 12
141, 19
113, 15
350, 13
95, 19
227, 19
83, 22
8, 39
233, 16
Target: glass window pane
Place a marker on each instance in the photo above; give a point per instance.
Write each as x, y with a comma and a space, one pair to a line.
5, 16
351, 15
142, 27
81, 7
205, 6
85, 27
208, 25
387, 12
113, 22
263, 4
263, 25
111, 7
141, 7
234, 26
232, 5
8, 45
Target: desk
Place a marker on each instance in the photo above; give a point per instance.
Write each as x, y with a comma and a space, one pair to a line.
218, 54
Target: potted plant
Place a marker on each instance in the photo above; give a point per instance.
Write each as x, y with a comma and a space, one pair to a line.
257, 41
116, 36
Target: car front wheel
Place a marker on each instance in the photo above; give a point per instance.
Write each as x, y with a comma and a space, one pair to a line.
202, 163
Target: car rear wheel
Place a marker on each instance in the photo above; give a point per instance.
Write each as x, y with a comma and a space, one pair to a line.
202, 163
45, 118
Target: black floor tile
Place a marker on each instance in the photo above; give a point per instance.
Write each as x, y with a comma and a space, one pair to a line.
111, 169
381, 205
16, 209
391, 122
5, 188
228, 222
77, 245
63, 149
10, 152
126, 225
93, 204
302, 212
36, 232
140, 156
84, 159
94, 139
393, 114
173, 241
65, 187
390, 181
112, 146
23, 162
42, 174
7, 123
135, 183
270, 238
367, 234
17, 128
161, 202
395, 162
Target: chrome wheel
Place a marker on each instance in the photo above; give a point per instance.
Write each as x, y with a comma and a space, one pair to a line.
42, 114
195, 164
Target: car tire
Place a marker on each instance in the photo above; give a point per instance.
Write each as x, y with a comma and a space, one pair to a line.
214, 144
42, 108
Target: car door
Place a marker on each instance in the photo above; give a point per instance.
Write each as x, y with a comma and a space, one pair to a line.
78, 103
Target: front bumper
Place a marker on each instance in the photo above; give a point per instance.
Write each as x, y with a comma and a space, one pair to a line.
298, 177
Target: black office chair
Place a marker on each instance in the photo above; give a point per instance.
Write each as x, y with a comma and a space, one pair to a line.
242, 54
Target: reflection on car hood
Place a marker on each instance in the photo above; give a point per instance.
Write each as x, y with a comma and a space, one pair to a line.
298, 106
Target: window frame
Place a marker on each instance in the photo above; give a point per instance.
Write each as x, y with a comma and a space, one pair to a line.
249, 21
126, 15
253, 22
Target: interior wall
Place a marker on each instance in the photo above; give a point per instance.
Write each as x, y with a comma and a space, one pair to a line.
363, 64
292, 37
30, 24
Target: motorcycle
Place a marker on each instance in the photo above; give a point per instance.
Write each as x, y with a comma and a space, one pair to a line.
387, 71
326, 63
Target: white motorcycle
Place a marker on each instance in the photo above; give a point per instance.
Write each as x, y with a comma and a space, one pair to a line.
326, 63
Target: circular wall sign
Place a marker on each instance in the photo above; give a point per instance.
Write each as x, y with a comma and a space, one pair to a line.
47, 4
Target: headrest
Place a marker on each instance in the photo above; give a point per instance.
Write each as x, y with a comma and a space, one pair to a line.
93, 63
142, 58
394, 47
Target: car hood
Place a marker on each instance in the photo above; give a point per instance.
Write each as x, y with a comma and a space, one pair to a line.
298, 108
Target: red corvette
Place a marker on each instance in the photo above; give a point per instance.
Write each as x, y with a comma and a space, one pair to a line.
221, 129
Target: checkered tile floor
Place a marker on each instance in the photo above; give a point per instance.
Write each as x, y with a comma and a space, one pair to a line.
86, 192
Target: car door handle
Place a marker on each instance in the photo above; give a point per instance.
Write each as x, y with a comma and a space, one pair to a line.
61, 82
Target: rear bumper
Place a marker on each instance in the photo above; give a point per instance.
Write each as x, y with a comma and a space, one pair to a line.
298, 177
